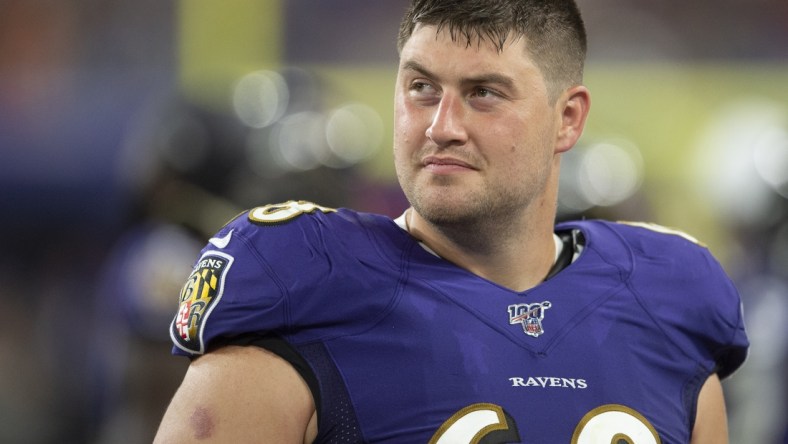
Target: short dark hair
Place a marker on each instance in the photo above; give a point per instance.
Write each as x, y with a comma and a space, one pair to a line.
554, 31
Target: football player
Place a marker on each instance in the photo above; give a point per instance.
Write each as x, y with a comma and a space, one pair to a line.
472, 317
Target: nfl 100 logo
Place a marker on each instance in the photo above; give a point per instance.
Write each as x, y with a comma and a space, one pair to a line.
530, 316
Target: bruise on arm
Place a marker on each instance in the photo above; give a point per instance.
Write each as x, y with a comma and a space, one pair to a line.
201, 423
239, 394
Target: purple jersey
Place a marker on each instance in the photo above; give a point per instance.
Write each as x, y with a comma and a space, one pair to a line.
401, 346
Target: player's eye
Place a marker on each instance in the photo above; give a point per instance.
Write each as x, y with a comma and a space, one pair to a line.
423, 92
483, 92
484, 98
421, 88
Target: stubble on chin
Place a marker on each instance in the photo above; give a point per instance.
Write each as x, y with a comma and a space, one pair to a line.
442, 206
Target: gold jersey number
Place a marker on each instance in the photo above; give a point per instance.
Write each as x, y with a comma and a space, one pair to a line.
610, 423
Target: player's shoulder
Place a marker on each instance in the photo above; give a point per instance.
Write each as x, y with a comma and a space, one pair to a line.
675, 277
652, 234
669, 251
294, 235
686, 290
644, 250
640, 238
300, 221
298, 263
295, 215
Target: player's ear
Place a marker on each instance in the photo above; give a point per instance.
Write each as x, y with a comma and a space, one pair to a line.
573, 106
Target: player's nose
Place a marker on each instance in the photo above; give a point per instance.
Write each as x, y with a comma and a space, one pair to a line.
448, 122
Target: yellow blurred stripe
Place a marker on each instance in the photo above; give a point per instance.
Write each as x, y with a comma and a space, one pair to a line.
218, 41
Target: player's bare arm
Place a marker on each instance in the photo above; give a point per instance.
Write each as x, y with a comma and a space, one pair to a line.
711, 423
240, 394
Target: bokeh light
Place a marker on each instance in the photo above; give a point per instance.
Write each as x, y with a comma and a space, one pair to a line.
601, 174
742, 159
260, 98
354, 132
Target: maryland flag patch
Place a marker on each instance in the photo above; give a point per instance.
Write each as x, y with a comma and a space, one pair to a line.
199, 297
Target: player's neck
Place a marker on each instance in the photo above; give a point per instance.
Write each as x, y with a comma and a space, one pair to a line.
518, 260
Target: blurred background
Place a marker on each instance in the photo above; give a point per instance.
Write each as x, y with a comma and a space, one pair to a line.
131, 131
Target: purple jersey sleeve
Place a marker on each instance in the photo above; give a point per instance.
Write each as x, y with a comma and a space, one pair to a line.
689, 295
295, 267
230, 291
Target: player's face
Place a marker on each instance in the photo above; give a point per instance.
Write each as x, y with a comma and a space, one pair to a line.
475, 134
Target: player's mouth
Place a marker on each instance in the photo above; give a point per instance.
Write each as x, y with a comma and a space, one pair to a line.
446, 165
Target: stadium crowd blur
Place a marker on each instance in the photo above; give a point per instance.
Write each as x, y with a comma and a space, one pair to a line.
131, 131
